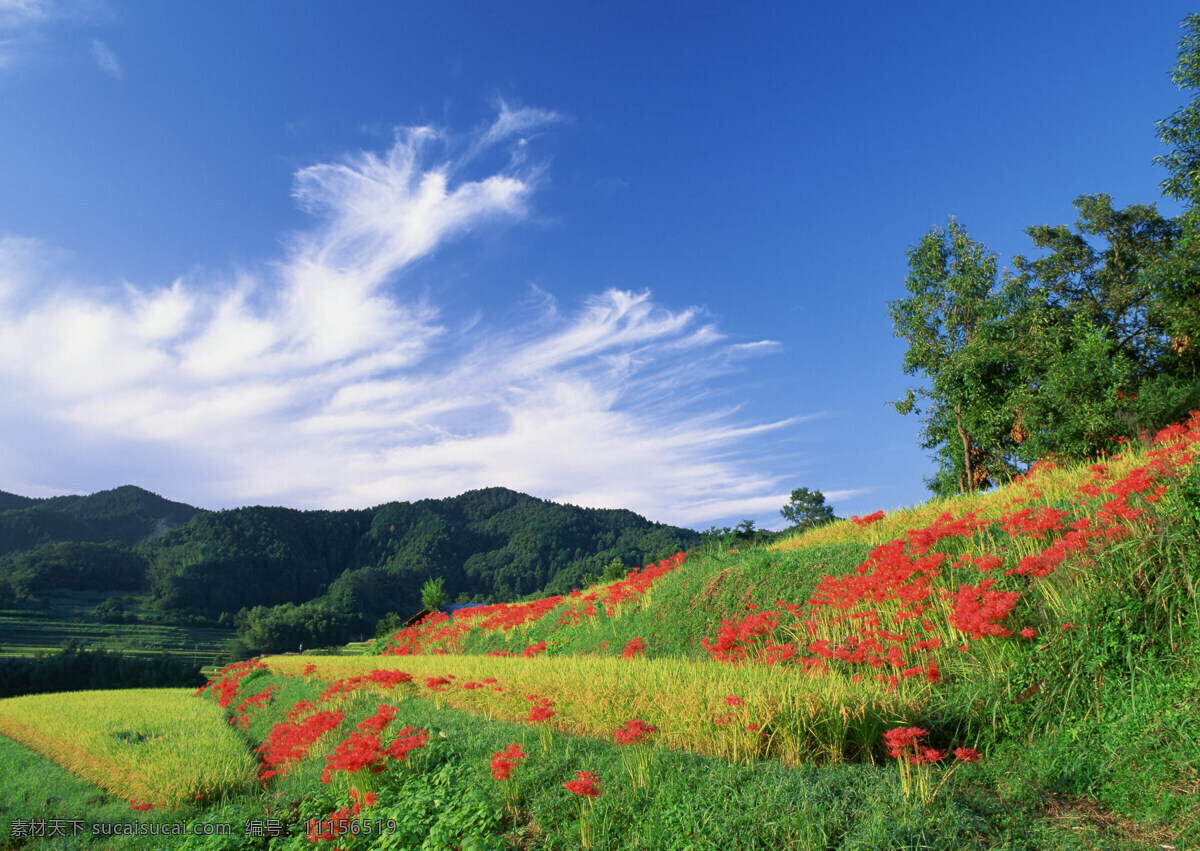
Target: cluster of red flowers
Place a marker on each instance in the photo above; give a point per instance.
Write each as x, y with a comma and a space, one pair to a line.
899, 740
541, 709
868, 520
634, 647
226, 682
736, 639
289, 741
503, 762
364, 748
534, 649
344, 687
896, 581
142, 807
439, 632
241, 715
634, 731
584, 784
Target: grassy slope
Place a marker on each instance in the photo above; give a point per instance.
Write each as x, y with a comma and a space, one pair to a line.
1104, 752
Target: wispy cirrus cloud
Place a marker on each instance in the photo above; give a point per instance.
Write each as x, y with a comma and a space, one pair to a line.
106, 60
23, 24
322, 381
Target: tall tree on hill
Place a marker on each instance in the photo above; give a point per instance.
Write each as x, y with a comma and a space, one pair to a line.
957, 322
806, 509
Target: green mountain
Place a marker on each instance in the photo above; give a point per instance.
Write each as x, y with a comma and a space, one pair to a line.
126, 515
325, 574
492, 543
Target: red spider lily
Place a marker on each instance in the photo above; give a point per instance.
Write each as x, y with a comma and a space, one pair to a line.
227, 681
634, 732
436, 683
868, 520
901, 737
534, 649
541, 709
309, 668
733, 700
385, 678
503, 762
978, 609
409, 739
241, 715
289, 741
966, 754
379, 720
136, 807
584, 785
635, 647
359, 751
1029, 632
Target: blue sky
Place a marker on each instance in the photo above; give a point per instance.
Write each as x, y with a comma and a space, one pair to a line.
629, 255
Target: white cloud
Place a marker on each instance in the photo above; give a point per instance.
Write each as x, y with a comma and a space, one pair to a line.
20, 14
321, 382
23, 24
106, 60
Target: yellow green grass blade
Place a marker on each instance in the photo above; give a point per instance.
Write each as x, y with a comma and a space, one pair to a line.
157, 746
796, 718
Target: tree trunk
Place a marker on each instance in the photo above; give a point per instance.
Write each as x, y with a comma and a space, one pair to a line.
966, 442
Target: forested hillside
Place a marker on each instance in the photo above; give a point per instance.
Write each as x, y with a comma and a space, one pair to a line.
126, 514
492, 544
285, 577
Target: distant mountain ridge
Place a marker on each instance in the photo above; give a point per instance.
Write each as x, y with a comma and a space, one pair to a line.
490, 544
127, 515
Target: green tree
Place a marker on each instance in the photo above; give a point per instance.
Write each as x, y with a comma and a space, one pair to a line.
433, 594
957, 322
1099, 272
616, 569
807, 509
1176, 279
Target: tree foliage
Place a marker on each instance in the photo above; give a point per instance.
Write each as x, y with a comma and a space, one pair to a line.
1097, 338
806, 509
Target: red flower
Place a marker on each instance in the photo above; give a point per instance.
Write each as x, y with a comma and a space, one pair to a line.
634, 731
1029, 632
966, 754
584, 784
503, 762
901, 737
541, 710
733, 700
635, 647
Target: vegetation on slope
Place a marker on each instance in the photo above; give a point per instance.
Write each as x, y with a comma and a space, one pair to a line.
283, 577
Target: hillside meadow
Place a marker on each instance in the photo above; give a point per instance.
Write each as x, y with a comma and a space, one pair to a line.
1016, 669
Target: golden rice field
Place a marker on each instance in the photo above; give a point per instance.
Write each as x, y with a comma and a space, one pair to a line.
156, 746
780, 715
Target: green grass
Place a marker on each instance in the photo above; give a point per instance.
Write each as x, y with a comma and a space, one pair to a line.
690, 801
